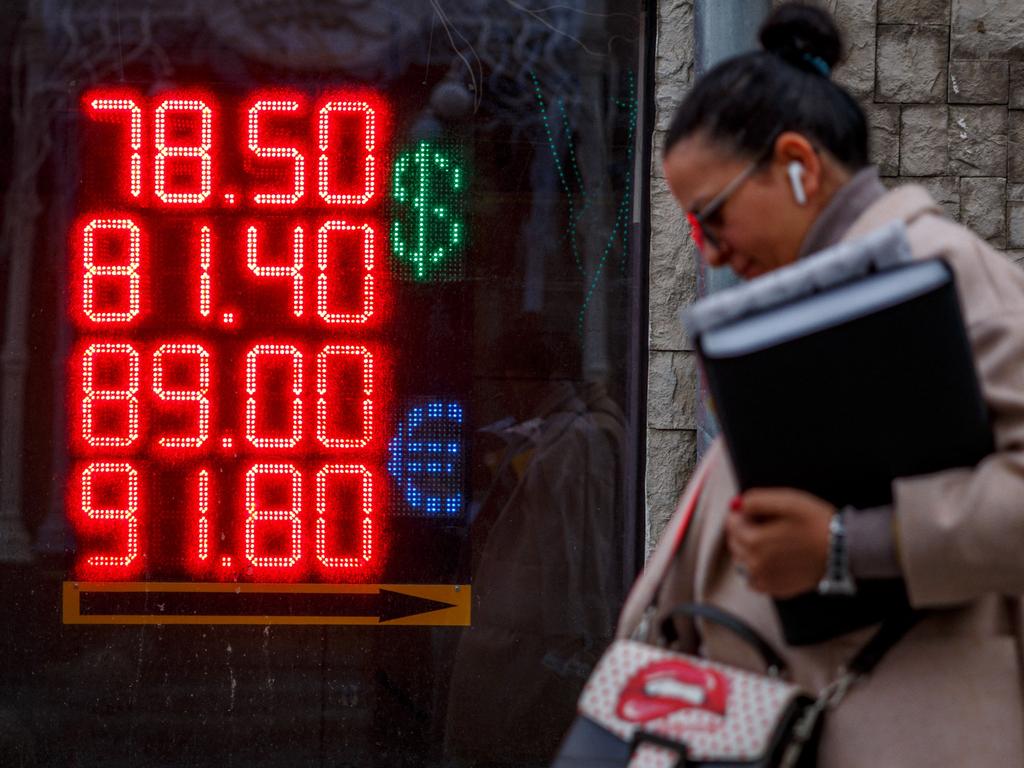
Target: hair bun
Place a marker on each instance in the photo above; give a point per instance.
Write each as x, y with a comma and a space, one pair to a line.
800, 33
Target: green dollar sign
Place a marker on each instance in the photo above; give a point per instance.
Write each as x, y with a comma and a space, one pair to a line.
430, 183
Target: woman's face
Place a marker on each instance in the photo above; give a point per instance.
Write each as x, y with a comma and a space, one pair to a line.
759, 226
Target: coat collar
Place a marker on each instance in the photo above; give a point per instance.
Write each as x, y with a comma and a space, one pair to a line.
845, 207
904, 204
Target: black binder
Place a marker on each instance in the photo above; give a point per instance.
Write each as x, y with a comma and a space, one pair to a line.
840, 392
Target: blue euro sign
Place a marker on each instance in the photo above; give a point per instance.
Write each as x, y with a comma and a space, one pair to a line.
425, 457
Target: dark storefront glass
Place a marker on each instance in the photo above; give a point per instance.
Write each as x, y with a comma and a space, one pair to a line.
322, 354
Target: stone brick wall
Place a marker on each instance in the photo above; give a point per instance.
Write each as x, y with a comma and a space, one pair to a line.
671, 379
953, 70
942, 83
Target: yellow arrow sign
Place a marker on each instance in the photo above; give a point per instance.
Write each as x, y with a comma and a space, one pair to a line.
386, 605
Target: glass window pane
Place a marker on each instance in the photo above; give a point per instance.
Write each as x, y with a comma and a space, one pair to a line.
320, 375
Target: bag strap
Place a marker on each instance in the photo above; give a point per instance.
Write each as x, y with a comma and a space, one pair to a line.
684, 526
735, 624
642, 601
832, 695
891, 632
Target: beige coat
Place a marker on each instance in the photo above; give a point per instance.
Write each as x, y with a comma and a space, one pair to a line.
950, 693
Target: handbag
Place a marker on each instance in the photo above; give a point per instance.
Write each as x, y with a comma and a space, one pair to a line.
646, 706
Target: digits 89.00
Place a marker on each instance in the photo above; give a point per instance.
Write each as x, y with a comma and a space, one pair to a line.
230, 363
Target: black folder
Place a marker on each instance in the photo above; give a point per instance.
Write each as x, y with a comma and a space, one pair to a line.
838, 393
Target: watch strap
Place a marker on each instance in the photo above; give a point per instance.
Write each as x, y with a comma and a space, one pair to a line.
837, 579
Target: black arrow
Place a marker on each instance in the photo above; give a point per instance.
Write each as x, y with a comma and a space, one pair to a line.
399, 605
385, 604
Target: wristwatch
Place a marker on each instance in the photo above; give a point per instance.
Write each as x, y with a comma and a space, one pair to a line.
837, 579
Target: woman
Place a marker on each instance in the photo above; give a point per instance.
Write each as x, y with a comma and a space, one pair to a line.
768, 158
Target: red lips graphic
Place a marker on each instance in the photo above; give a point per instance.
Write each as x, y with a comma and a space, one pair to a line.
667, 686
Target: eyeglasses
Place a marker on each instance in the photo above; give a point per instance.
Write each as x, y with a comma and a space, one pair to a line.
705, 221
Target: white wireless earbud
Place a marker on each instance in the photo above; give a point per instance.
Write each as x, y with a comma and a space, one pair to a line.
795, 171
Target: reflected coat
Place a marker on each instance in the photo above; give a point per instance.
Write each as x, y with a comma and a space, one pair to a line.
543, 589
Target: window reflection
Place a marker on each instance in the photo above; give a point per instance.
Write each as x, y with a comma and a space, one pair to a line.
545, 535
526, 331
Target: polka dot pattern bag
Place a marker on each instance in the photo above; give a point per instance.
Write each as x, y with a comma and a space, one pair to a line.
649, 707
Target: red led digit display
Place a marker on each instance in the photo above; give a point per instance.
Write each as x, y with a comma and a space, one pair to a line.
232, 361
259, 150
171, 157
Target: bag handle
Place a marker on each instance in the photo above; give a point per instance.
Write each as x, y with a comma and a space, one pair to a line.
736, 625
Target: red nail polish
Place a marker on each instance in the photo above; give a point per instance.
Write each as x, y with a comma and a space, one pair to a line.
736, 504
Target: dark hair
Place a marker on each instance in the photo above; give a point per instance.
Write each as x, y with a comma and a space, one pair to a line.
745, 102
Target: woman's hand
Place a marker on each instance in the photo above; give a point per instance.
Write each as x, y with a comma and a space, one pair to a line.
779, 538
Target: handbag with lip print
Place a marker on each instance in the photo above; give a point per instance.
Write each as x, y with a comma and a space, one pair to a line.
649, 707
646, 706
